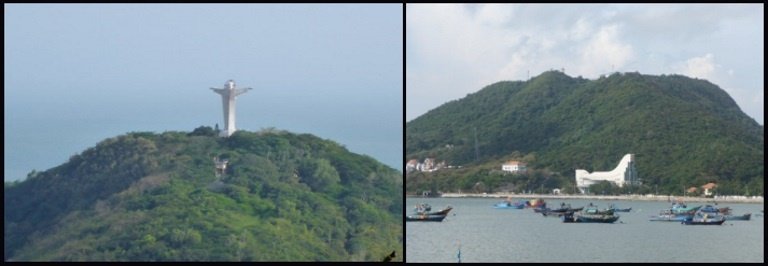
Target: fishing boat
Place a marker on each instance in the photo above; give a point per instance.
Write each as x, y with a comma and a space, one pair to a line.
703, 222
743, 217
426, 209
677, 213
589, 218
559, 211
713, 209
536, 203
424, 218
704, 218
669, 217
682, 208
509, 205
590, 215
615, 209
593, 210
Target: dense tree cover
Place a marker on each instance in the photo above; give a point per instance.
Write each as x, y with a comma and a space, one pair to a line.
154, 197
684, 132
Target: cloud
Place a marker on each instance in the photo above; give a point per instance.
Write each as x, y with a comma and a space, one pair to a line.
605, 50
699, 67
453, 50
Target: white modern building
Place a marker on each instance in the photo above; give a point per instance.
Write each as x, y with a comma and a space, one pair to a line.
514, 167
624, 173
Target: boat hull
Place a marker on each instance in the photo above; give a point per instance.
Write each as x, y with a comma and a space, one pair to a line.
744, 217
691, 222
597, 218
504, 205
581, 218
425, 218
441, 212
666, 218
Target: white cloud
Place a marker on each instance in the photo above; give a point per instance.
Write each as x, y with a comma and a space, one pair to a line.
453, 50
604, 52
699, 67
495, 15
582, 29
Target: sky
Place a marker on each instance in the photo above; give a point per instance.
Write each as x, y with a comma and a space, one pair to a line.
76, 74
456, 49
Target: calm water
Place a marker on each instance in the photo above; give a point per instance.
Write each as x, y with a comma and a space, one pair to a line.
486, 234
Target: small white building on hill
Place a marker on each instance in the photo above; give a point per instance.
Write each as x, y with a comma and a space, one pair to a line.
515, 167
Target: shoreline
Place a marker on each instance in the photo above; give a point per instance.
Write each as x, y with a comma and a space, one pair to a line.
665, 198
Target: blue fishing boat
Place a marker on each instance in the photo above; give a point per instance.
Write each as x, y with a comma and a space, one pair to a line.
509, 205
678, 208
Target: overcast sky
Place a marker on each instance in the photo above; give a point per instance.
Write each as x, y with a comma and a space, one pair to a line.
76, 74
454, 49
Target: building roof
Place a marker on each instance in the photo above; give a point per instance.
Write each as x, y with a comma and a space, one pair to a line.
413, 161
692, 189
709, 186
515, 163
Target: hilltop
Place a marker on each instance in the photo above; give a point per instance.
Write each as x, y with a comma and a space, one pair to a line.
684, 132
155, 197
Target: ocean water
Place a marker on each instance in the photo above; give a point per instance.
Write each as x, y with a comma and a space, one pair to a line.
484, 234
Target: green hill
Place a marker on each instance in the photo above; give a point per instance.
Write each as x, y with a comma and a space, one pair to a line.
684, 132
155, 197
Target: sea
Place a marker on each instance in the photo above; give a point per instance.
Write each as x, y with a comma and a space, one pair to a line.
476, 232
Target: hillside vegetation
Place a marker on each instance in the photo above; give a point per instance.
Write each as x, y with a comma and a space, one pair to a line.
684, 132
155, 197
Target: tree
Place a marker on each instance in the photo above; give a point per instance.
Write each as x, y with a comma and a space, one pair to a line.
203, 131
318, 174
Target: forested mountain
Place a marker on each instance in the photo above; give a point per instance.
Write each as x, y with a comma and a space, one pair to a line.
155, 197
684, 132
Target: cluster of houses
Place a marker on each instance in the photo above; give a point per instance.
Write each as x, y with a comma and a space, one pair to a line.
706, 189
429, 165
624, 173
515, 167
